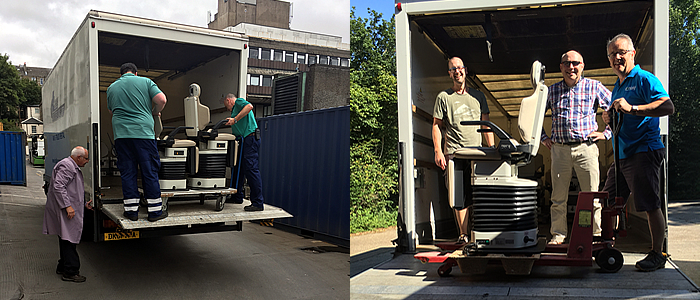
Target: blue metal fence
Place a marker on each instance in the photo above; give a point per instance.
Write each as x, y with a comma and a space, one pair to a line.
305, 167
13, 166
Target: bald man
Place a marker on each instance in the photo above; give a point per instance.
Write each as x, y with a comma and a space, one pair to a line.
574, 102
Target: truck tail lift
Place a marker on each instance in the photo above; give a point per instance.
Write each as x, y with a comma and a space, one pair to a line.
505, 212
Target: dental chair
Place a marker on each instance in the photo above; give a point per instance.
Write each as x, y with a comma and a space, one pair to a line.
505, 206
215, 150
173, 157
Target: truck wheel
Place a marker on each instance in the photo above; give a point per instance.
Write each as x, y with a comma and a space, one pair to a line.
609, 260
220, 201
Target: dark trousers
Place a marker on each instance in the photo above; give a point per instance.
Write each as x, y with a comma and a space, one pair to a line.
69, 262
250, 170
133, 154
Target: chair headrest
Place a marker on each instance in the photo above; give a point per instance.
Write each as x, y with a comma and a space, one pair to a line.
537, 73
195, 90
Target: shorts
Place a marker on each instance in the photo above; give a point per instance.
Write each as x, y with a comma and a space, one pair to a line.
640, 177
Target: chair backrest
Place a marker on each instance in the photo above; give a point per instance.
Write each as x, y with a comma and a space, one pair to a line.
157, 126
532, 110
196, 114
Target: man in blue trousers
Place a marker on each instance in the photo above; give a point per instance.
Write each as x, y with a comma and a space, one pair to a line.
243, 125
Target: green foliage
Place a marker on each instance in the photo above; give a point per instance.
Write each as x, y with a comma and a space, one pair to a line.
684, 137
9, 89
10, 125
29, 92
373, 123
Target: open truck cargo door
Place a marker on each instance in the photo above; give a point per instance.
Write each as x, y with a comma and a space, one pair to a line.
497, 41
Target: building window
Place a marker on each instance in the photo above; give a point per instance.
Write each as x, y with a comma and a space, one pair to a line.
289, 57
36, 111
254, 52
33, 128
267, 110
266, 54
267, 80
33, 78
335, 61
301, 58
345, 62
254, 79
322, 59
41, 81
278, 55
312, 59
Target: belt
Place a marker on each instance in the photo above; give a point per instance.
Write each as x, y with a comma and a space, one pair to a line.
588, 142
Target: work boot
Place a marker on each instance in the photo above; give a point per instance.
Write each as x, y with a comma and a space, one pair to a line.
162, 215
73, 278
131, 215
652, 262
252, 208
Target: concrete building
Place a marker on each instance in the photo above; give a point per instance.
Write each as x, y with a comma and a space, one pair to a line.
276, 51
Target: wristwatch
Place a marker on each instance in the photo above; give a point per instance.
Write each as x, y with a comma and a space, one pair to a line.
634, 109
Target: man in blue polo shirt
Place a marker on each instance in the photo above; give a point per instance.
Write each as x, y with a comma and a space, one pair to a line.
243, 125
133, 101
640, 96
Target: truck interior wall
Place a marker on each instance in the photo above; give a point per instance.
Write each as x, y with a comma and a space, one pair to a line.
434, 217
215, 78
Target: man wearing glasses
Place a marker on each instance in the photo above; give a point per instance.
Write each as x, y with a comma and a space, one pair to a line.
63, 214
641, 99
453, 105
574, 102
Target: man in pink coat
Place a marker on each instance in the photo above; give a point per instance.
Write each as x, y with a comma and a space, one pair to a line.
65, 202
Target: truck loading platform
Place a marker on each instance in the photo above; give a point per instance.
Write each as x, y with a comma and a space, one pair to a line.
192, 212
404, 277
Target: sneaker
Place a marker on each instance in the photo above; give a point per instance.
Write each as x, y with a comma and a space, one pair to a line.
253, 208
163, 215
652, 262
131, 216
463, 239
73, 278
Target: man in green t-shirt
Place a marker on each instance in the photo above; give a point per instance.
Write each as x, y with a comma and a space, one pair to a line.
243, 125
452, 106
133, 101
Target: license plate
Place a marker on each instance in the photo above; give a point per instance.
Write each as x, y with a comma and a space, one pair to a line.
122, 235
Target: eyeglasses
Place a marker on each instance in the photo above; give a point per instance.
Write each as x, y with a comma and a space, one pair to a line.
455, 68
621, 53
567, 63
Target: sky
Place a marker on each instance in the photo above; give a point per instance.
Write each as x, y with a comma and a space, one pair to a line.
36, 32
385, 7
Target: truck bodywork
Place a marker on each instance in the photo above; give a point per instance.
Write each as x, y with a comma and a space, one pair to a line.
497, 42
173, 56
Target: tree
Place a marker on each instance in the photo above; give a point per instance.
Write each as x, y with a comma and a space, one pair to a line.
9, 89
684, 137
373, 123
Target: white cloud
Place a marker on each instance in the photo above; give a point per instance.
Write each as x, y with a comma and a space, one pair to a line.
36, 32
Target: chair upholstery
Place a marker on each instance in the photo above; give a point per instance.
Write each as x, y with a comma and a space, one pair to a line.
478, 153
196, 115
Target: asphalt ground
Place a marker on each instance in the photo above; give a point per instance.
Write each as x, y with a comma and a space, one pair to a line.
257, 263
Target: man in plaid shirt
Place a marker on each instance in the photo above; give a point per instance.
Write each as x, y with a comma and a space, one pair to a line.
574, 102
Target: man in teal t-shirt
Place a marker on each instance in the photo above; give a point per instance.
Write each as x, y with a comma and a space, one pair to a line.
133, 101
243, 126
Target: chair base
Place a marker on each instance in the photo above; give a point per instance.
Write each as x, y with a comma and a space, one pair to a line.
505, 239
206, 183
173, 184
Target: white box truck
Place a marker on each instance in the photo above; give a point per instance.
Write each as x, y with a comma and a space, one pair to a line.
74, 106
498, 41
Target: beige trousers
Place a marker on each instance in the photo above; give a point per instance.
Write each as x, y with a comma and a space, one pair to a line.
583, 159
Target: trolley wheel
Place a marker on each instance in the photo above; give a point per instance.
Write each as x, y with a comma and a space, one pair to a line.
165, 203
445, 270
220, 202
609, 260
